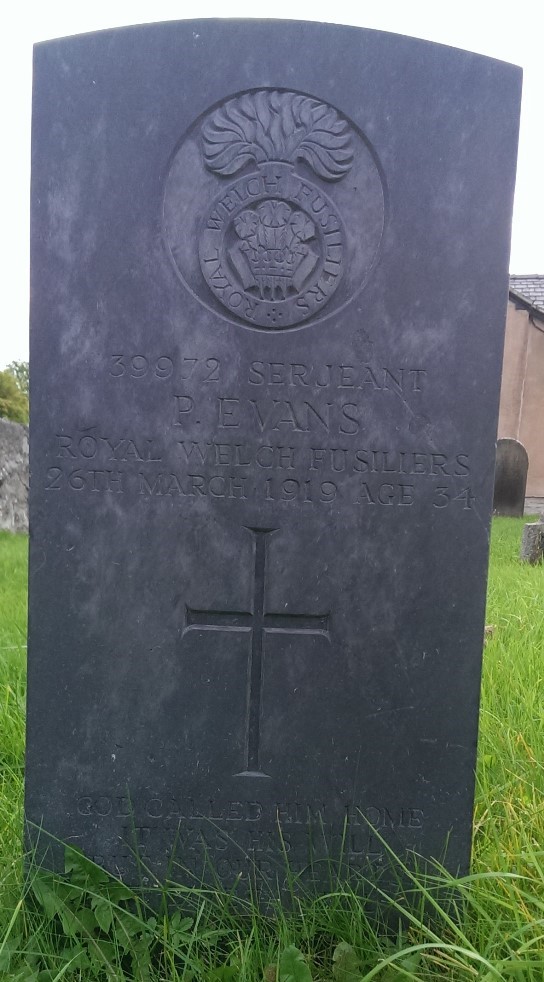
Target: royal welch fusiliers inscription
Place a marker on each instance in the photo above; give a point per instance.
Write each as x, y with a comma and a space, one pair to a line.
260, 500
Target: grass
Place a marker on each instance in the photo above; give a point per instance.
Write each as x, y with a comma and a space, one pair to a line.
13, 613
89, 927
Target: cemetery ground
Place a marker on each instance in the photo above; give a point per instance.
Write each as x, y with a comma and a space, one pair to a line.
89, 927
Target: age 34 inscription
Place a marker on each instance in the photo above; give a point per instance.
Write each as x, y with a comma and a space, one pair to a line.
257, 624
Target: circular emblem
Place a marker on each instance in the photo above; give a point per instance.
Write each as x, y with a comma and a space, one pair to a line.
296, 232
278, 257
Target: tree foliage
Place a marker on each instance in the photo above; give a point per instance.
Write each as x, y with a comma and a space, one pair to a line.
13, 401
19, 370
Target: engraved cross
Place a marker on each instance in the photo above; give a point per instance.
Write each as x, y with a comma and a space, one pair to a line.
257, 624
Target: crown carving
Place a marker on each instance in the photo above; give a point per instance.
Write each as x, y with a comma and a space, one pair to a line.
274, 243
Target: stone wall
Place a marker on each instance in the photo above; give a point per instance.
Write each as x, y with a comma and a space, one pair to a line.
534, 506
13, 476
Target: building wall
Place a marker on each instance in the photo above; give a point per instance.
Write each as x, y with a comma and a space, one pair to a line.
521, 414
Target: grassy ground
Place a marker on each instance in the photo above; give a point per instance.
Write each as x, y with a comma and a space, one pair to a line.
91, 928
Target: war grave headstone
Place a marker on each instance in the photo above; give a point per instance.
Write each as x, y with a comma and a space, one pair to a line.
269, 278
511, 466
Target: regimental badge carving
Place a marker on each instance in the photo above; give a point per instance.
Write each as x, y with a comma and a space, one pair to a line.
292, 209
285, 252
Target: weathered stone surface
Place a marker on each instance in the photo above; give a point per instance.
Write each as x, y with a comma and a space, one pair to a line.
511, 468
532, 543
13, 476
269, 285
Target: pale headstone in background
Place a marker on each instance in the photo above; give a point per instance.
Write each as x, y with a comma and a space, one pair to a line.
532, 542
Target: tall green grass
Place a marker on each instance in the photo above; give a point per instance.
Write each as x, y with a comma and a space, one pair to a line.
13, 618
88, 927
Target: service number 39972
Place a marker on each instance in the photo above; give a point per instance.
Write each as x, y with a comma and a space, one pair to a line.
140, 366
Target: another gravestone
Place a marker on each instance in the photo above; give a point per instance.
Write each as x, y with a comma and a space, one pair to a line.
532, 543
269, 277
511, 468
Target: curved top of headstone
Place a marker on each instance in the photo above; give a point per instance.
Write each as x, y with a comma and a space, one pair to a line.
511, 466
514, 448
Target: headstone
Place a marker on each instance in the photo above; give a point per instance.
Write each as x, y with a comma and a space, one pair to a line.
532, 543
511, 468
269, 276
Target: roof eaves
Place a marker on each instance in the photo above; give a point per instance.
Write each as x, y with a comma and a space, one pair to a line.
523, 303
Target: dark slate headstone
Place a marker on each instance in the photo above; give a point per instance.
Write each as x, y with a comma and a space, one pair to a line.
511, 466
268, 296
